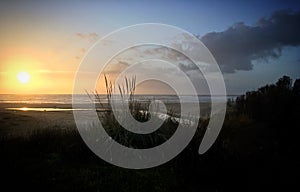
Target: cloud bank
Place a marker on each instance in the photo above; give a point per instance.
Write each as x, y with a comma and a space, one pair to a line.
236, 48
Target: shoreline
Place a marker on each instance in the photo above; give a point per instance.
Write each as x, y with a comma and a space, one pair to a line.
16, 122
21, 123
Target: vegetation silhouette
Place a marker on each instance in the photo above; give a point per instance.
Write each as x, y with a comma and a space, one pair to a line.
255, 151
278, 106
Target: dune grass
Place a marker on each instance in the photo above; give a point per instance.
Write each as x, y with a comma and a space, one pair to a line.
140, 111
247, 156
58, 160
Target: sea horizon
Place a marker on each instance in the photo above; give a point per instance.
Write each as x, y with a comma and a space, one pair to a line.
67, 98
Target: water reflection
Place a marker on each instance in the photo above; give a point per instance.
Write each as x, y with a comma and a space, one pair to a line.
46, 109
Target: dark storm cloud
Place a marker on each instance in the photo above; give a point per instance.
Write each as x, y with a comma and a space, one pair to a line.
236, 48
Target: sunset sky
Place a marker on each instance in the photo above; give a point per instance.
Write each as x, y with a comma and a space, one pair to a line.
255, 42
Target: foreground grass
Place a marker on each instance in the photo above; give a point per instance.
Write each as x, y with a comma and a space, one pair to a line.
242, 159
58, 160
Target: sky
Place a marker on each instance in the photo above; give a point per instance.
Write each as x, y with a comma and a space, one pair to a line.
254, 42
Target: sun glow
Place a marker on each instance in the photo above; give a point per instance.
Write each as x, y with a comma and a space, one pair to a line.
23, 77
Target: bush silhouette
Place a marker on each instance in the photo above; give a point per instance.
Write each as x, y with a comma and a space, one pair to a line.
271, 102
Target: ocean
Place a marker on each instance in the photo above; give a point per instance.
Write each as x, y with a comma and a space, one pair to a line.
63, 102
67, 98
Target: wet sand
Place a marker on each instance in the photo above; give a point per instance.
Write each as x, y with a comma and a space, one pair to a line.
18, 122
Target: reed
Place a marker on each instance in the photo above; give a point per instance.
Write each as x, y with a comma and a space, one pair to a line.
140, 111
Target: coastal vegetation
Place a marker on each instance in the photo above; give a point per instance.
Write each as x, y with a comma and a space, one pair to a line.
256, 146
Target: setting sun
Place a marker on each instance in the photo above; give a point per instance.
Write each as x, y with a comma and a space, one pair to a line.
23, 77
